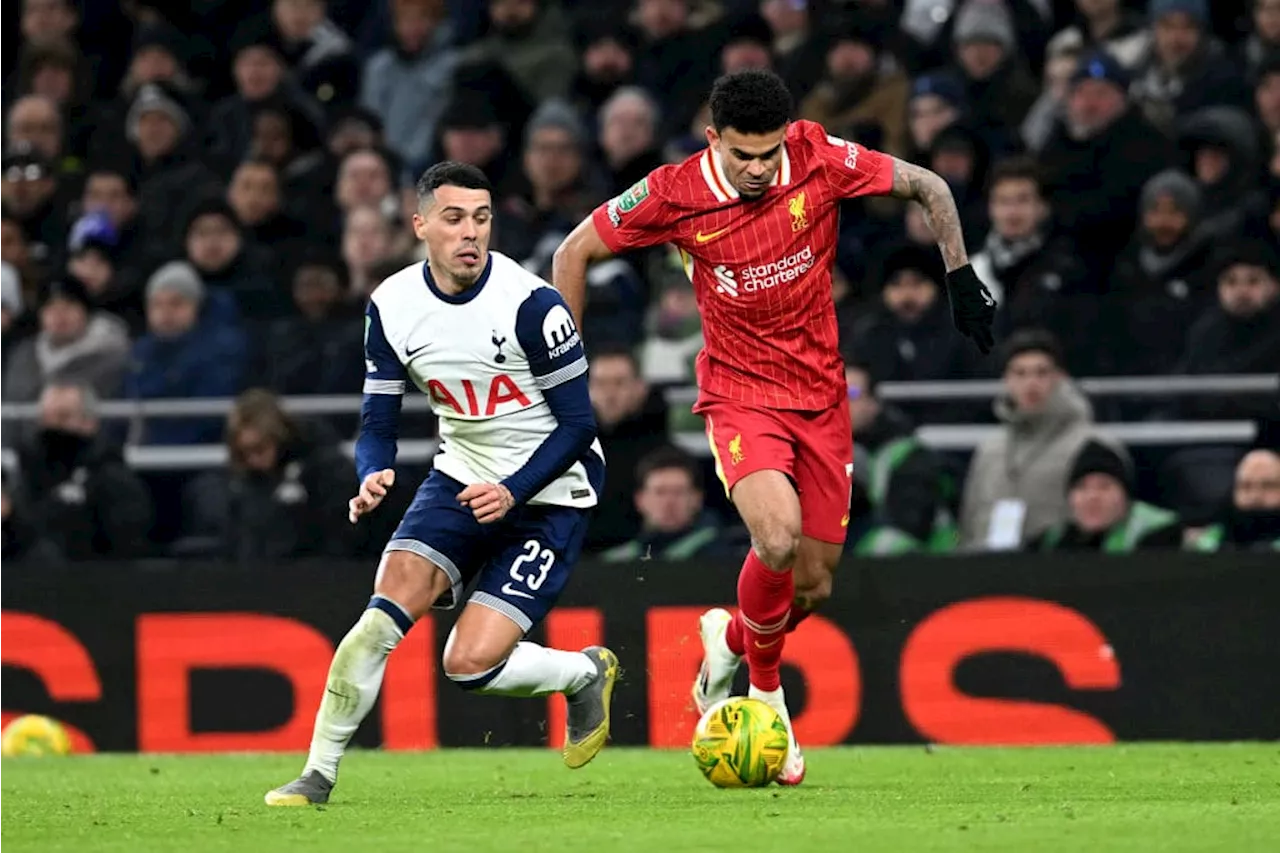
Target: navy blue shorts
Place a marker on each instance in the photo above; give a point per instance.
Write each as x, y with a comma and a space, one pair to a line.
520, 564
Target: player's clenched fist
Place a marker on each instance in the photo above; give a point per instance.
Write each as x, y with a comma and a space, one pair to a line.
372, 491
489, 501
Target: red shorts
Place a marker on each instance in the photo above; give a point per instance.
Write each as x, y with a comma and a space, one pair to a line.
814, 449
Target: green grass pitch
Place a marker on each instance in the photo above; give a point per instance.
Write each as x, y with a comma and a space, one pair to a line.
1125, 798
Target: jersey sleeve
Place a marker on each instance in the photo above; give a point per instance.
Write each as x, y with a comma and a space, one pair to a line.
384, 387
550, 339
852, 170
551, 343
640, 217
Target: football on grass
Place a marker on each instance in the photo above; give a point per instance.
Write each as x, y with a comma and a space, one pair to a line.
740, 743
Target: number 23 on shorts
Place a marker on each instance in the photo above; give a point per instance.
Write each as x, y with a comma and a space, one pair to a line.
529, 569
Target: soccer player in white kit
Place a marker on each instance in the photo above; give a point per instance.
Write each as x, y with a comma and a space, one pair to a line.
505, 508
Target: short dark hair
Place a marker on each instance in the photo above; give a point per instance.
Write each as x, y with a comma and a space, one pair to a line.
855, 362
115, 170
1031, 340
449, 173
668, 457
610, 349
1016, 169
751, 101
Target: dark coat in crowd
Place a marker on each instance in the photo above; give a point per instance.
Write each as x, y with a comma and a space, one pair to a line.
83, 496
297, 510
615, 519
1093, 185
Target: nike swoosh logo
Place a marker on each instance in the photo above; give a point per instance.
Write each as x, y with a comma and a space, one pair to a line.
707, 238
760, 645
508, 589
411, 353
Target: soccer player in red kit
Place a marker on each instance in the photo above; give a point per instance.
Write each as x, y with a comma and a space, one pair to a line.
755, 217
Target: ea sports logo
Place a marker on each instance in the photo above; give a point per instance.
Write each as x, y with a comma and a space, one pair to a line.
725, 281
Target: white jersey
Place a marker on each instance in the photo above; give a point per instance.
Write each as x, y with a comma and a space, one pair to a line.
484, 358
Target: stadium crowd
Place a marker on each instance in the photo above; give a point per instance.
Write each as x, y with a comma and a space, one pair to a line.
198, 199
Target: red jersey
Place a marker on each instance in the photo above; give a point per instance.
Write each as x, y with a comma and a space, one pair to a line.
761, 268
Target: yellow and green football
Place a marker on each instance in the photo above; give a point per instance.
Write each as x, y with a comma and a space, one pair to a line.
740, 743
33, 735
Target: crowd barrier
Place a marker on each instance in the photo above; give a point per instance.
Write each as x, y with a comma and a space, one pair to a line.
963, 650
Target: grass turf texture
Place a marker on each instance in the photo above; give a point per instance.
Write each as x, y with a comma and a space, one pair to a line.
1150, 798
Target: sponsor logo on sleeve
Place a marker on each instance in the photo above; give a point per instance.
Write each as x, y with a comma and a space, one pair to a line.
627, 201
558, 331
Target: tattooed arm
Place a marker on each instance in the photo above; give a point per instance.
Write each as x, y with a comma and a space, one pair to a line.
918, 184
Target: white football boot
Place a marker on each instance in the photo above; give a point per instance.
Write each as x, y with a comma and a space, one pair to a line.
793, 768
719, 665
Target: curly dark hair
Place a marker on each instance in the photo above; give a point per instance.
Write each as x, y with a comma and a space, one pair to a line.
752, 101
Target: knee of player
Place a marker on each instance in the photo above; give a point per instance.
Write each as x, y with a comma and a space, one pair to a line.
777, 547
811, 594
469, 667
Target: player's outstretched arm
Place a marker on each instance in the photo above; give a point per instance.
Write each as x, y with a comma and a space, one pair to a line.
569, 265
972, 307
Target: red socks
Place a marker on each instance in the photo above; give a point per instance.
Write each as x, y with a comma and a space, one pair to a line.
764, 610
733, 634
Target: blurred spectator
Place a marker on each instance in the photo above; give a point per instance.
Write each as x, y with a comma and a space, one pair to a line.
632, 422
1104, 516
673, 335
83, 495
75, 345
1016, 488
615, 301
910, 335
1161, 280
748, 44
216, 248
284, 136
471, 132
1252, 522
35, 124
94, 262
1221, 145
185, 354
629, 137
961, 156
366, 242
365, 179
12, 308
284, 493
998, 87
256, 198
560, 189
1262, 46
1097, 161
1051, 106
317, 50
608, 51
169, 170
937, 101
796, 45
321, 350
1105, 25
668, 496
1035, 278
159, 56
260, 73
676, 61
30, 191
1187, 68
527, 37
908, 490
854, 92
407, 84
1241, 334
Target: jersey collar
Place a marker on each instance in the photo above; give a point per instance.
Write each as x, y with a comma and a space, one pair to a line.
467, 295
713, 173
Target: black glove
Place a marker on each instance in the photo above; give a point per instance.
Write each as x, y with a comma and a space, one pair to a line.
973, 309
